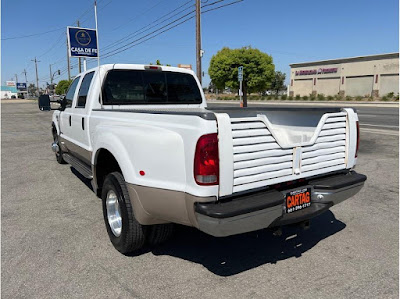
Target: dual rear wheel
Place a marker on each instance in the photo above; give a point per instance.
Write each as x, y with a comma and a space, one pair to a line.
125, 232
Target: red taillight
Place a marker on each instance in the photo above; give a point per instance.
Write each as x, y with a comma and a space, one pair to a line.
206, 160
358, 138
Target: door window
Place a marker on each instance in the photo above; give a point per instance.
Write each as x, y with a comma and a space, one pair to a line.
84, 89
69, 97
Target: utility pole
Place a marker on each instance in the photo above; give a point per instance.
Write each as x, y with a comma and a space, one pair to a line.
26, 80
51, 76
79, 59
26, 83
198, 42
37, 77
16, 79
68, 64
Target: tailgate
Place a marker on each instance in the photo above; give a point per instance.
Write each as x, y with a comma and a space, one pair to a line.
271, 148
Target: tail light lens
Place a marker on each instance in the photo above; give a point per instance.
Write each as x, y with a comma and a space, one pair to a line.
358, 138
206, 160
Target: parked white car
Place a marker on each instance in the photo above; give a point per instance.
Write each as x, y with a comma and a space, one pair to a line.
157, 155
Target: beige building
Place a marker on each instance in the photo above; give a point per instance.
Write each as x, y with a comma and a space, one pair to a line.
374, 75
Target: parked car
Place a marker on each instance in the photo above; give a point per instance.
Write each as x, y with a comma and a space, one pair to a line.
156, 155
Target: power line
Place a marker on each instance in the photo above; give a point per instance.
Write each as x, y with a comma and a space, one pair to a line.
218, 7
57, 43
34, 34
138, 15
100, 9
134, 43
212, 3
158, 22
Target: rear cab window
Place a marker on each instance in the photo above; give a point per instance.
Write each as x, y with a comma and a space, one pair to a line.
83, 90
146, 87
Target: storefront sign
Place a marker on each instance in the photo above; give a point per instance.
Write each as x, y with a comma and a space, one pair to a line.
82, 42
10, 83
21, 86
317, 71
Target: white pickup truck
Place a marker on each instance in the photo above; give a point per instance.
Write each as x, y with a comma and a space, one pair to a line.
157, 155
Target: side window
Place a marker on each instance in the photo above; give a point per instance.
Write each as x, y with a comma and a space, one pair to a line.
84, 89
69, 97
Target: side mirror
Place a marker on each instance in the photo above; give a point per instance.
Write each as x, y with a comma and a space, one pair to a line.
63, 103
44, 102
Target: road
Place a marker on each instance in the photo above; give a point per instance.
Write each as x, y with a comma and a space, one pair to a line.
54, 242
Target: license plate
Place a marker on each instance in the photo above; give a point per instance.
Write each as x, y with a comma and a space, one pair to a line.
298, 199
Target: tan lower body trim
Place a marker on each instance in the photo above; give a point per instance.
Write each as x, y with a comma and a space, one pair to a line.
77, 151
156, 206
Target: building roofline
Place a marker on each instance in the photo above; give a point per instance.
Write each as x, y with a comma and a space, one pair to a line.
348, 59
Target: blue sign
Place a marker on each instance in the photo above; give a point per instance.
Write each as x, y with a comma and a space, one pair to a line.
21, 86
82, 42
240, 73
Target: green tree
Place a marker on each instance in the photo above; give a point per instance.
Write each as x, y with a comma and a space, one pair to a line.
32, 89
159, 63
62, 86
258, 70
278, 83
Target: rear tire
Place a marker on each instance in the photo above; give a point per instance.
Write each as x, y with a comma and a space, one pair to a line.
159, 233
125, 232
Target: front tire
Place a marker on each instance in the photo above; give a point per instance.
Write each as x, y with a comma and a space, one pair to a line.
125, 232
59, 154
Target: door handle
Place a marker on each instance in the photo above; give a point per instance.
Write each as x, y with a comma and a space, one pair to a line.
70, 120
83, 123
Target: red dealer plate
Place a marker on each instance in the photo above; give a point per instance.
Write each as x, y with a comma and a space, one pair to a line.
298, 199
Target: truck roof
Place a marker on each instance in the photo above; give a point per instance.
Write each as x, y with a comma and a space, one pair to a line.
126, 66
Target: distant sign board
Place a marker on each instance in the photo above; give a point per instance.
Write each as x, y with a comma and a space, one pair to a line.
82, 42
21, 86
240, 73
317, 71
10, 83
185, 66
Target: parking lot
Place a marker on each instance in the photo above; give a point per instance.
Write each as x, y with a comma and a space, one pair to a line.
55, 245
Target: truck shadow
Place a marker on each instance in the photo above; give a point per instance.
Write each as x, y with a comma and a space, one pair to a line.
84, 180
235, 254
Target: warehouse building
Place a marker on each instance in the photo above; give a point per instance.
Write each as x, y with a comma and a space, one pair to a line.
8, 92
374, 75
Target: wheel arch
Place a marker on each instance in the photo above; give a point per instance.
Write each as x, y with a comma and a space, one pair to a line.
105, 162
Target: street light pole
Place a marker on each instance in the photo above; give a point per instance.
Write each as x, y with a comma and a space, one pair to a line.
68, 62
79, 59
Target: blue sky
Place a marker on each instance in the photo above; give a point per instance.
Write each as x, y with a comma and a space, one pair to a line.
291, 31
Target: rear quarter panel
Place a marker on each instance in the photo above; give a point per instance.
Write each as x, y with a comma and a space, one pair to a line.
162, 146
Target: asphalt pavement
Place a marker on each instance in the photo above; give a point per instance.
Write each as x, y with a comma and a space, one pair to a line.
55, 245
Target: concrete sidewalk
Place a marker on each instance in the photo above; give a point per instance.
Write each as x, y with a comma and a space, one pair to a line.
16, 101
